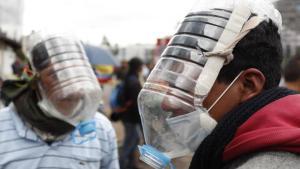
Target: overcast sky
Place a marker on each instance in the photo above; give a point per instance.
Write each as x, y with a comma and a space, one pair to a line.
122, 21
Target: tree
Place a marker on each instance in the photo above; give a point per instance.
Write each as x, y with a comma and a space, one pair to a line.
115, 50
105, 42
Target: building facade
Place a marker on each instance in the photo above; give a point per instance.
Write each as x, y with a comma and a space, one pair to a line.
11, 16
290, 11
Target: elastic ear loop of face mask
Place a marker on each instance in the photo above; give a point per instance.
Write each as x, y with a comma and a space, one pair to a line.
223, 93
250, 24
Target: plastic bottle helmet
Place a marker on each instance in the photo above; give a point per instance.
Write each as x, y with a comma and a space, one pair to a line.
186, 72
67, 84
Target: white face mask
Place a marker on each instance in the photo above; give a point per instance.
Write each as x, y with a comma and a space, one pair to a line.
189, 128
194, 127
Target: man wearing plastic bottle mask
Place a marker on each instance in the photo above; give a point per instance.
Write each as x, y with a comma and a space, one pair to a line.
52, 121
236, 116
256, 128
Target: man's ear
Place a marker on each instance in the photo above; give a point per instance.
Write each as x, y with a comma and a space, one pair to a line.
252, 83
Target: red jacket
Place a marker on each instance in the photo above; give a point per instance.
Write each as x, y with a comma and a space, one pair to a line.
274, 127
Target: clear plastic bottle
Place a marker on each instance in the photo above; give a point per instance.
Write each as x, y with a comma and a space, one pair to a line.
169, 91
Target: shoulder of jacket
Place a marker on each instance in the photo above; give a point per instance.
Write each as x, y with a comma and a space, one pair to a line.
5, 112
102, 121
103, 124
266, 160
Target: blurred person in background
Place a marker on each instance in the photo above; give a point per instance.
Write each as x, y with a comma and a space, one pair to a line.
52, 120
117, 100
122, 70
291, 73
18, 67
130, 117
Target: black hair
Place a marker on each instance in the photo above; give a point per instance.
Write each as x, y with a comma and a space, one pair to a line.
135, 64
291, 71
261, 49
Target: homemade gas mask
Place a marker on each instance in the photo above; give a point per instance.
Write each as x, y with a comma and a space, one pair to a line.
170, 103
68, 88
